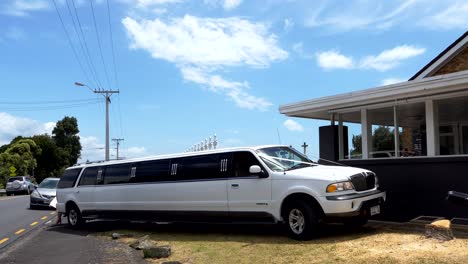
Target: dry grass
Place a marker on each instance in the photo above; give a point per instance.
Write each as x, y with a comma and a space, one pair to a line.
376, 243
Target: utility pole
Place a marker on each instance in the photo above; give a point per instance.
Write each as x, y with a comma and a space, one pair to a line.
107, 94
117, 141
305, 148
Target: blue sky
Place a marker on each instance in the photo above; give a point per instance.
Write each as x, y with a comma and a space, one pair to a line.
189, 69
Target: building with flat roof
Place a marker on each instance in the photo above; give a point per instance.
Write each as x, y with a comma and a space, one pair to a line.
413, 134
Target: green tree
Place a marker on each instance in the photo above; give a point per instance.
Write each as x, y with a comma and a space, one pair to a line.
382, 139
20, 155
65, 135
51, 161
357, 143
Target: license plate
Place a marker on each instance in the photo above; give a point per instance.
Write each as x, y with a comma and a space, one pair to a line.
375, 210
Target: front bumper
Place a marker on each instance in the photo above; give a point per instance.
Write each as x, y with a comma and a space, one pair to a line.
348, 205
16, 190
40, 201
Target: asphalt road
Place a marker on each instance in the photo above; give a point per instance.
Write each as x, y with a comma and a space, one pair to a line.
17, 220
31, 236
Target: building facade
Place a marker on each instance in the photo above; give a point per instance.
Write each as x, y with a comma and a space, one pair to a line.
413, 134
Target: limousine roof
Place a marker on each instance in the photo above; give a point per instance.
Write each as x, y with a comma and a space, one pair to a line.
176, 155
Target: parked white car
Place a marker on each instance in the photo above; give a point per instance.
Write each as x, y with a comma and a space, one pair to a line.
268, 183
19, 184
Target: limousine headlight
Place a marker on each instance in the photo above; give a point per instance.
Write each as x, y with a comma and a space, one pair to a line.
340, 186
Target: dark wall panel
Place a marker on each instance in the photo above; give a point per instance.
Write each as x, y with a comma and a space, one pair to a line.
419, 186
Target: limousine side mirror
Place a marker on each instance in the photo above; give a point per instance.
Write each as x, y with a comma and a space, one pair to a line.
256, 170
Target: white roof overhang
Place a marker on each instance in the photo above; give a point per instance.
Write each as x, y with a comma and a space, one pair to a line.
442, 86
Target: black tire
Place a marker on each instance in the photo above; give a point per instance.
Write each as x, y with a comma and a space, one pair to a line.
32, 207
355, 222
74, 218
300, 220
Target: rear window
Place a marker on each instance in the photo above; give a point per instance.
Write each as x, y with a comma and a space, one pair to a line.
15, 179
68, 178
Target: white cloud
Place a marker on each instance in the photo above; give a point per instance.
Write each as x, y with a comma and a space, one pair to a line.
342, 16
293, 125
236, 91
206, 41
288, 24
134, 152
391, 58
12, 126
148, 3
360, 14
94, 150
24, 7
389, 81
386, 60
334, 60
453, 17
91, 149
298, 47
231, 4
202, 46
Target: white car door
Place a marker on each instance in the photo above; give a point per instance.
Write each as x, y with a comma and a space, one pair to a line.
247, 192
84, 192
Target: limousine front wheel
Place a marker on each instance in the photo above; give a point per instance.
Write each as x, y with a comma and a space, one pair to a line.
300, 220
74, 217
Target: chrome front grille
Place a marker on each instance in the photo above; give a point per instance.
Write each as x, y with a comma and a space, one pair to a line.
363, 181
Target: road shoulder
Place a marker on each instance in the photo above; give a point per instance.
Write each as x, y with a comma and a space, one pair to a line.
59, 244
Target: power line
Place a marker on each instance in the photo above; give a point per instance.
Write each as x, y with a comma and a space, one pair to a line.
86, 49
115, 66
46, 108
99, 44
51, 102
112, 45
80, 41
70, 42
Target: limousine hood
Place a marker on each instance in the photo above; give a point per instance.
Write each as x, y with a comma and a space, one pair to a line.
325, 172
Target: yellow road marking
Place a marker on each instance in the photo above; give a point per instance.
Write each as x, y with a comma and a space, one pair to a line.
44, 218
20, 231
34, 223
3, 240
52, 213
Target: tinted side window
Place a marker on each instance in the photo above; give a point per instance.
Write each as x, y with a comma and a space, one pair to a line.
89, 176
151, 171
117, 174
201, 167
242, 162
68, 178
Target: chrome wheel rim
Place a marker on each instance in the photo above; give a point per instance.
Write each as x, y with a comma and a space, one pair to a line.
72, 217
296, 221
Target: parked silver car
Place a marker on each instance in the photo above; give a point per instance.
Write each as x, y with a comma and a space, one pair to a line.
44, 193
19, 184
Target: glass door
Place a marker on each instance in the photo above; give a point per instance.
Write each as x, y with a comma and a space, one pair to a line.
448, 140
464, 138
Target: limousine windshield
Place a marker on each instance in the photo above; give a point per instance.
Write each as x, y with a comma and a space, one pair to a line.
284, 158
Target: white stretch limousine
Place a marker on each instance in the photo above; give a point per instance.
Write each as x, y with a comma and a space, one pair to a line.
269, 183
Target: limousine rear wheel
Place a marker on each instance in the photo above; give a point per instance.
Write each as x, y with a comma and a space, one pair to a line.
300, 220
74, 217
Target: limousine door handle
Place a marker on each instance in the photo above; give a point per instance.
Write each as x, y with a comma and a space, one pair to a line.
234, 185
77, 191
